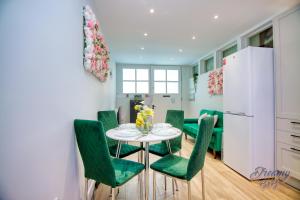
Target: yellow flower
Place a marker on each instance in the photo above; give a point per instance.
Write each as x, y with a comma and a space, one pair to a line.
139, 120
137, 107
149, 112
139, 123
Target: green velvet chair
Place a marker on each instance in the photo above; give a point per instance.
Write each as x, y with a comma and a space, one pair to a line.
185, 169
109, 120
175, 118
98, 164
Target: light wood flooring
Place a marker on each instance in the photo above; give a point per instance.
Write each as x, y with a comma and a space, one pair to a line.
221, 182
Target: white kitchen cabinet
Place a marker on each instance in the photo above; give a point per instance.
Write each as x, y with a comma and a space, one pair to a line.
289, 159
287, 59
287, 69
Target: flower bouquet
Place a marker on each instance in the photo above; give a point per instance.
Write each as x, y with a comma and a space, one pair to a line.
144, 118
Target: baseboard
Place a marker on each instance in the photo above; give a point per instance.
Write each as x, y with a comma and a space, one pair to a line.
293, 182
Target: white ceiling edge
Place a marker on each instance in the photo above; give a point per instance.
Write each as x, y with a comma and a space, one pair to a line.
145, 59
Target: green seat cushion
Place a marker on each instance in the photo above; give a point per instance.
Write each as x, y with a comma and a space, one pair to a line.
125, 170
171, 165
126, 150
193, 128
161, 149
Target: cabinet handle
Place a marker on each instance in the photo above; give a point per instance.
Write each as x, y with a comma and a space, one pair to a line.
297, 136
294, 149
298, 123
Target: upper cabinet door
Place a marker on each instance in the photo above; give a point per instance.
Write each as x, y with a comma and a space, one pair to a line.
287, 58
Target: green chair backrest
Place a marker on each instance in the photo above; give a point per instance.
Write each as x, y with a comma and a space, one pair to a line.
94, 151
109, 121
176, 119
197, 158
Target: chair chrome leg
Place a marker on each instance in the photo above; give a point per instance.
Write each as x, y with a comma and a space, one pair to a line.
86, 188
165, 177
154, 185
173, 190
189, 190
113, 194
203, 185
119, 149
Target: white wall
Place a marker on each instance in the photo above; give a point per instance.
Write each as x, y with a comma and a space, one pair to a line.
43, 89
203, 100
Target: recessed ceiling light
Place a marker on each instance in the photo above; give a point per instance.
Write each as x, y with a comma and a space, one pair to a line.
145, 34
152, 11
180, 50
194, 37
142, 48
216, 16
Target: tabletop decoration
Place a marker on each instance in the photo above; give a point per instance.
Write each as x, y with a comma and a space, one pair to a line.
144, 118
96, 53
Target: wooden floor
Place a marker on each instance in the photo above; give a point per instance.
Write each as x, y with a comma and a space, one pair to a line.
221, 183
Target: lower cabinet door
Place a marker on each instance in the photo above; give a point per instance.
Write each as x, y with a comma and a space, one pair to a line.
288, 158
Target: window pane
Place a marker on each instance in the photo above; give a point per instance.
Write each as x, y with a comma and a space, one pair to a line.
128, 87
142, 87
159, 75
142, 75
262, 39
172, 87
229, 51
159, 87
172, 75
128, 74
209, 64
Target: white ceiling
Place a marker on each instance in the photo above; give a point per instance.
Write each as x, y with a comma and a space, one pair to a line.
173, 24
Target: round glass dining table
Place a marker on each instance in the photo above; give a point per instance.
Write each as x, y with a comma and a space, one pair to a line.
129, 133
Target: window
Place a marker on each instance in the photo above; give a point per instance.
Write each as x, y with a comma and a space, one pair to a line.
262, 39
135, 81
225, 53
229, 51
166, 81
208, 64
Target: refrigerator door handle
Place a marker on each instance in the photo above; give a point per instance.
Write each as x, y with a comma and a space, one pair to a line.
238, 114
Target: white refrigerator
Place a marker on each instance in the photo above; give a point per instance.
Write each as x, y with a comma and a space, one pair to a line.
248, 105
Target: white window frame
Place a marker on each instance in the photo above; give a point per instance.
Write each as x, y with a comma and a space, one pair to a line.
135, 80
219, 52
166, 81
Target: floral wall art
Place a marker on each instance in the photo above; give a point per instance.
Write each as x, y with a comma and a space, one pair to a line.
215, 82
96, 53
